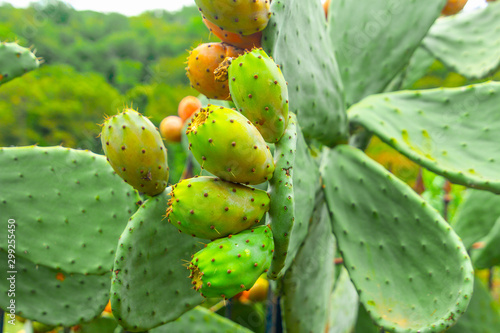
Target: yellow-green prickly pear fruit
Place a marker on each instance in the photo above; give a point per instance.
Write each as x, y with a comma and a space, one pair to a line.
208, 207
244, 17
135, 150
260, 93
229, 146
230, 265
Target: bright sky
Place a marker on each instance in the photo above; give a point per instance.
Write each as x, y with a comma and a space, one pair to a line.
132, 8
129, 8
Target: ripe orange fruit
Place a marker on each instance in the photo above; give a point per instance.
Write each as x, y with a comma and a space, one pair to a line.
171, 128
187, 106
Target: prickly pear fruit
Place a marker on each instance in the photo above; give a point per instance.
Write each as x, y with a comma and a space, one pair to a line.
187, 106
171, 128
210, 208
258, 293
326, 5
244, 17
229, 265
453, 6
259, 91
244, 42
202, 62
229, 146
136, 152
15, 60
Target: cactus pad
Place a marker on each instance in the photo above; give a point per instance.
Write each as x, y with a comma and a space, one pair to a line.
468, 43
135, 150
411, 270
239, 16
210, 208
72, 198
450, 131
343, 305
15, 60
201, 320
230, 265
307, 285
476, 215
486, 252
374, 40
482, 315
304, 54
51, 296
259, 91
227, 144
282, 207
150, 285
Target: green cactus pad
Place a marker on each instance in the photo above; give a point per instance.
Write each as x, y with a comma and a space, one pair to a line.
476, 215
135, 150
411, 270
450, 131
15, 60
69, 206
468, 43
201, 320
103, 324
259, 91
306, 183
364, 323
307, 285
296, 38
343, 305
227, 144
51, 296
482, 315
374, 40
210, 208
282, 207
230, 265
242, 17
150, 285
486, 253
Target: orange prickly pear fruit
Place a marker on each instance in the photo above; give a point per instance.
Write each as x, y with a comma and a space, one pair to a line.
244, 42
202, 62
453, 6
187, 106
171, 128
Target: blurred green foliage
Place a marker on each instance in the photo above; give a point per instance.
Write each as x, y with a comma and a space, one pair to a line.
94, 64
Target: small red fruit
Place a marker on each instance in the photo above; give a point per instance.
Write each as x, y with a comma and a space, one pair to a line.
171, 128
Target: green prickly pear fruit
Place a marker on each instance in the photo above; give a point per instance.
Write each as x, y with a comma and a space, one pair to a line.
260, 93
202, 62
15, 60
135, 150
230, 265
245, 17
208, 207
229, 146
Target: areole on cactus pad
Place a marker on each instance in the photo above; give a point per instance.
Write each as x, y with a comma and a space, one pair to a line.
208, 207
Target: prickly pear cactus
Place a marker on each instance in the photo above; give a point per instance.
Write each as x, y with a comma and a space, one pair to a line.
230, 265
260, 93
243, 17
210, 208
241, 155
136, 152
15, 60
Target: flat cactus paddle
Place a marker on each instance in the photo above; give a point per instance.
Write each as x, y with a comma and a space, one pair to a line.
71, 197
150, 284
450, 131
411, 270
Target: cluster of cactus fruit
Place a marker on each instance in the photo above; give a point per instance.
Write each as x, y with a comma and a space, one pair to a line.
404, 267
